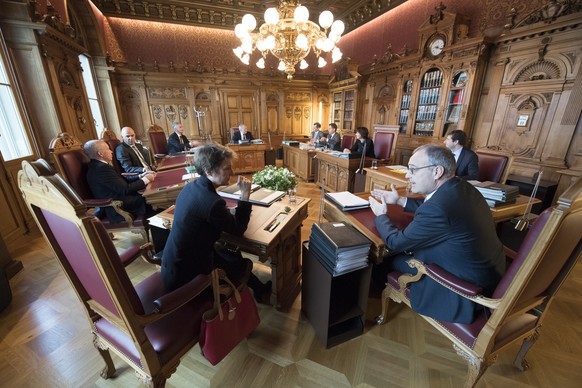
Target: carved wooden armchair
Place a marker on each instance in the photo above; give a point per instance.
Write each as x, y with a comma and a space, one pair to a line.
71, 163
385, 145
516, 310
109, 137
148, 327
493, 166
158, 141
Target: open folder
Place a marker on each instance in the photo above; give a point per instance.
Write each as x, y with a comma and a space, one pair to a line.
259, 195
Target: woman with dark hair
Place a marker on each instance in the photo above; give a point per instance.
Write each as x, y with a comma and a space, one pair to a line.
363, 144
200, 217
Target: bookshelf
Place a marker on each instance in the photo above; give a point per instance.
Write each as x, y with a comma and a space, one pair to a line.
405, 106
455, 101
428, 99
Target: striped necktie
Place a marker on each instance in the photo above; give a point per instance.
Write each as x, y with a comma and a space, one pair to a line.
141, 158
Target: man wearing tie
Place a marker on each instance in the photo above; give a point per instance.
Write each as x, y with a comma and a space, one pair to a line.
242, 134
178, 142
132, 156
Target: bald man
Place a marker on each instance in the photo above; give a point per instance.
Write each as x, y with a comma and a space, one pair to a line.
131, 155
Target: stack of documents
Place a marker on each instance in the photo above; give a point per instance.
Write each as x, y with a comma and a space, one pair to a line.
497, 194
347, 201
339, 247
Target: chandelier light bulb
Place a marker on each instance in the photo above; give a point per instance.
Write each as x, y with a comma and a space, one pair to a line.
336, 55
261, 45
325, 19
249, 22
303, 65
261, 63
245, 59
319, 44
271, 16
301, 42
301, 14
247, 46
240, 31
238, 52
338, 27
281, 66
270, 42
328, 45
321, 62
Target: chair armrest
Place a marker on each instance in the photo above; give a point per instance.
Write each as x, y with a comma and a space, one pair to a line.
509, 253
103, 202
182, 295
449, 280
453, 283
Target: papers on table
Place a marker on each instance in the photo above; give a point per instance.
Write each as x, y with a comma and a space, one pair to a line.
347, 201
398, 169
188, 177
259, 195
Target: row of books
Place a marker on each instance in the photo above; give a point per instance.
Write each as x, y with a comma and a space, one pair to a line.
497, 194
259, 195
339, 247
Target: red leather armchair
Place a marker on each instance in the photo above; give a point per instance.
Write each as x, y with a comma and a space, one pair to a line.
158, 141
493, 166
517, 308
348, 141
112, 141
147, 326
385, 145
71, 162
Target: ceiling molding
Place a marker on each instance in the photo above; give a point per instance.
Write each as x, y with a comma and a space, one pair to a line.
225, 14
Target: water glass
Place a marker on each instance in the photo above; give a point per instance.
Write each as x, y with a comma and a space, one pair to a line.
374, 164
292, 193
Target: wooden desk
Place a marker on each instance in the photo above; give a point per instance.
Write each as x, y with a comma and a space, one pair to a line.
171, 162
383, 177
299, 161
363, 220
250, 157
338, 172
282, 246
162, 192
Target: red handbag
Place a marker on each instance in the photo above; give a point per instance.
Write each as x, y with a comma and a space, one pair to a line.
227, 324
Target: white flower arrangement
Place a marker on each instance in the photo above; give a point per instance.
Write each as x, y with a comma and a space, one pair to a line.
275, 178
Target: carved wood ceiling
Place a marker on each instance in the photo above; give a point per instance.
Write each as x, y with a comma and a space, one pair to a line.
225, 14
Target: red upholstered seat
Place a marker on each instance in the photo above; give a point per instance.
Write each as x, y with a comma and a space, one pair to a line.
385, 145
148, 326
347, 141
518, 305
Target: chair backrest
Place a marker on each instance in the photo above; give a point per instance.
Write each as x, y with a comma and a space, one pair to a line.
385, 144
71, 162
347, 141
112, 141
158, 140
233, 130
493, 166
550, 250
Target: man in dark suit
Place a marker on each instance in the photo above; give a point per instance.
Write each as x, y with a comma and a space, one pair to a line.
178, 142
201, 216
242, 134
105, 182
467, 161
452, 227
131, 155
332, 140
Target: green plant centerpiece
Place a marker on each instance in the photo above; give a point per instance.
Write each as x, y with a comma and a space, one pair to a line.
275, 178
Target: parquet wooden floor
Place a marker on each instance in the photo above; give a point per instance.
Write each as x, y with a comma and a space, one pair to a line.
45, 342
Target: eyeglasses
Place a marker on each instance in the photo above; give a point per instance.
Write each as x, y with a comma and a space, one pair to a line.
412, 170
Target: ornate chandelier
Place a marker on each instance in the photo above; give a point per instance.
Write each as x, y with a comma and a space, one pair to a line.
289, 35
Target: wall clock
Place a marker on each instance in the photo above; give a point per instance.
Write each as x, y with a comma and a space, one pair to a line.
436, 45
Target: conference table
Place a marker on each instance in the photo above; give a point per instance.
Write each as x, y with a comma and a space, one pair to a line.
163, 191
363, 219
273, 234
173, 161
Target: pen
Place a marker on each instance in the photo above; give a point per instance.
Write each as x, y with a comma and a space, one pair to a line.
272, 228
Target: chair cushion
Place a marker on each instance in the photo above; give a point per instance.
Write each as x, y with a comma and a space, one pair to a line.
74, 164
383, 145
159, 142
491, 166
166, 337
